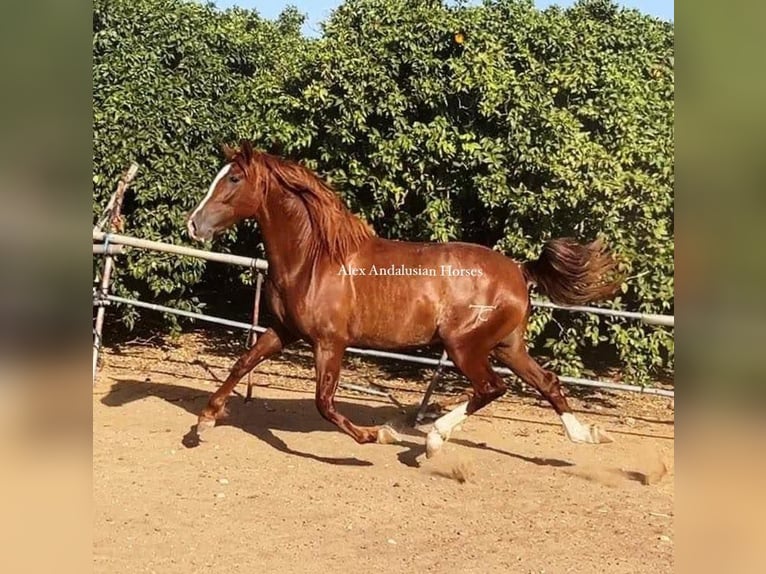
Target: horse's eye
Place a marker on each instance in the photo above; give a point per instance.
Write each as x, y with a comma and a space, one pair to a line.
233, 179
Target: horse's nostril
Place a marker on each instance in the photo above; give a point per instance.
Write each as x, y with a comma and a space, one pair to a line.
192, 227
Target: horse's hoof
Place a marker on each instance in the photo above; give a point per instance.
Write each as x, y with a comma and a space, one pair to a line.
204, 425
599, 435
387, 435
434, 443
580, 433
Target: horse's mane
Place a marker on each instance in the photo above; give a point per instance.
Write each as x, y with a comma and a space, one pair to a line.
330, 227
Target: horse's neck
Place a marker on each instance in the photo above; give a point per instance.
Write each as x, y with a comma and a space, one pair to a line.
282, 230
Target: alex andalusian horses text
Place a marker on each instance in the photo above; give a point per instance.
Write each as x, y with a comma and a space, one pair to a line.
333, 283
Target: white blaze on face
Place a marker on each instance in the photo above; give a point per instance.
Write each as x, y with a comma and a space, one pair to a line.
221, 174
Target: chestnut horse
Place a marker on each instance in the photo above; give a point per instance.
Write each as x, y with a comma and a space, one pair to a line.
334, 283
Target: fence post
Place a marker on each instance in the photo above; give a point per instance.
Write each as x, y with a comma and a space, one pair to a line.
431, 388
252, 336
111, 219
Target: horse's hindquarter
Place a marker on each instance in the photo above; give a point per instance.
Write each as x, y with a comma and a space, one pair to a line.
408, 294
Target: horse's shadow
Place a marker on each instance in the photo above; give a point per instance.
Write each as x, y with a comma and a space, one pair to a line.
296, 415
261, 418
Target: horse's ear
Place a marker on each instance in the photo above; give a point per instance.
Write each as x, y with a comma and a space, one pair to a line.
228, 152
246, 149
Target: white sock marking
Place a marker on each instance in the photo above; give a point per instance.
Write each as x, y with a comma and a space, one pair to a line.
575, 430
447, 423
444, 426
224, 170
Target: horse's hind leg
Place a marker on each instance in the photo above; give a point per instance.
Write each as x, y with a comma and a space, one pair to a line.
487, 386
267, 345
513, 353
328, 358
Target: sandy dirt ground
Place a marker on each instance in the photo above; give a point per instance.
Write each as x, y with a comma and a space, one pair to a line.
276, 489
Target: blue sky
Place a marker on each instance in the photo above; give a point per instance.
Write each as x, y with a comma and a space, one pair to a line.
318, 10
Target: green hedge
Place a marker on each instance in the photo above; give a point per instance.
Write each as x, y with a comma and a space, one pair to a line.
499, 124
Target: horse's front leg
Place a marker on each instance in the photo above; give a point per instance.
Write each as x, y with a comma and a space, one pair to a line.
328, 358
267, 345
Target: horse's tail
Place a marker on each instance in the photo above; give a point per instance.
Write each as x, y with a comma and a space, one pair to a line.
570, 273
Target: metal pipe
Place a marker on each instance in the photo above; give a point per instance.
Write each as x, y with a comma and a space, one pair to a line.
385, 354
396, 356
189, 314
431, 388
106, 276
651, 318
261, 264
251, 337
181, 250
617, 386
103, 249
110, 219
359, 389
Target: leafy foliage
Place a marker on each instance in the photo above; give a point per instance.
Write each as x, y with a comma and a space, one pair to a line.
498, 124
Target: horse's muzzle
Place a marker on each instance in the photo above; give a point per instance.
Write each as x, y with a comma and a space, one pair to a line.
192, 229
198, 232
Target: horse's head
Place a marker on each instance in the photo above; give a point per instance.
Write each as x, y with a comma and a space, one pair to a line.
234, 195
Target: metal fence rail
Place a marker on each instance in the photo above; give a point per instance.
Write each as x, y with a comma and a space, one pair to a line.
116, 239
649, 318
262, 265
430, 361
